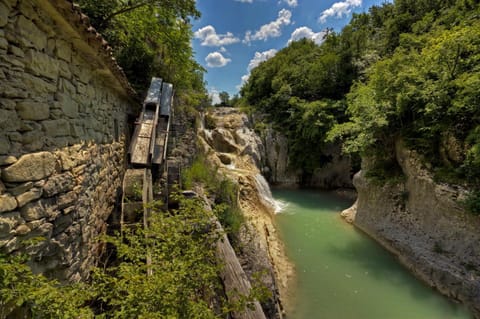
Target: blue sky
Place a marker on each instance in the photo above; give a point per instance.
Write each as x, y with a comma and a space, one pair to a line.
233, 36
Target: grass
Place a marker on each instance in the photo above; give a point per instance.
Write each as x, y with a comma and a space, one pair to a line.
223, 190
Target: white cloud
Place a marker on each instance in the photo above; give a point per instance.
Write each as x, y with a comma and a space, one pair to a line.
215, 96
223, 50
306, 32
339, 9
258, 58
272, 29
290, 3
244, 80
209, 37
216, 60
246, 1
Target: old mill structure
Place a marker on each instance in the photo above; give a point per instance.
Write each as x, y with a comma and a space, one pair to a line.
64, 104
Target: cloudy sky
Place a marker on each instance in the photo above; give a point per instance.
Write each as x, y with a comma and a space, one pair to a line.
233, 36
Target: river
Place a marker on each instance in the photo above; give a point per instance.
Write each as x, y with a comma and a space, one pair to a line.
343, 274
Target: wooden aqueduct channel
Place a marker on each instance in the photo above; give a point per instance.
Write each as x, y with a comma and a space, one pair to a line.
147, 156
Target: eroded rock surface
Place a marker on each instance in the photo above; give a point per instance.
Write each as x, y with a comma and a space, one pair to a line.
425, 225
239, 153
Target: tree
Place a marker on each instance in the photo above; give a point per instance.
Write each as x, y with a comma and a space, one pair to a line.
224, 98
150, 38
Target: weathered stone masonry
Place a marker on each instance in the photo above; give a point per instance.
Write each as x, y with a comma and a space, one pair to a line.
63, 118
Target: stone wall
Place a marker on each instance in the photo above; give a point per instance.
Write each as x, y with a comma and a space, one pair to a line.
63, 118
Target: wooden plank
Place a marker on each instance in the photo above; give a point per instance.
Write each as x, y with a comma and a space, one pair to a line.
147, 197
158, 156
234, 278
131, 196
145, 130
141, 151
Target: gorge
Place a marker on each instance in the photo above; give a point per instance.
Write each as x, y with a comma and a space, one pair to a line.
329, 261
382, 116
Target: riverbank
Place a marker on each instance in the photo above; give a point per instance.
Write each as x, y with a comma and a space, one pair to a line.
341, 272
425, 225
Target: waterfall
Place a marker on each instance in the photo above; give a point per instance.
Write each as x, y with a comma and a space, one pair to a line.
266, 194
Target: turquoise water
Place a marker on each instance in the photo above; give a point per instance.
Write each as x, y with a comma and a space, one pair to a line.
343, 274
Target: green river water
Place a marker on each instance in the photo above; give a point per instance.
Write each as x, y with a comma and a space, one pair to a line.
343, 274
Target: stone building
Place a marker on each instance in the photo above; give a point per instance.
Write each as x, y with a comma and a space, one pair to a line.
63, 121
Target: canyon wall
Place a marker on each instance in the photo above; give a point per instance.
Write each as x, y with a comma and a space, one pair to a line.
333, 173
237, 151
425, 225
63, 121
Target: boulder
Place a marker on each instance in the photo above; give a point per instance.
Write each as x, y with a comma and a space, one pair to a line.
33, 211
29, 196
30, 167
7, 160
20, 189
222, 141
59, 184
8, 222
33, 111
3, 14
7, 203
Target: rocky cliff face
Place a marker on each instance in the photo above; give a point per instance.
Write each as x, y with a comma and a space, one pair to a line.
425, 225
334, 174
232, 145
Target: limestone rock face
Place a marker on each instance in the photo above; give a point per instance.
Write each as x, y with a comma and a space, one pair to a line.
239, 153
333, 174
29, 196
252, 144
425, 225
276, 156
33, 211
30, 167
223, 141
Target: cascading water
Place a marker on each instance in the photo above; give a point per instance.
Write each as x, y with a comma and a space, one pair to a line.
266, 194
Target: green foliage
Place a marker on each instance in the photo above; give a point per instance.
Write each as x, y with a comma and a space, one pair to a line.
405, 70
21, 290
199, 172
472, 203
180, 281
151, 38
427, 87
300, 90
168, 270
221, 189
226, 208
183, 270
224, 98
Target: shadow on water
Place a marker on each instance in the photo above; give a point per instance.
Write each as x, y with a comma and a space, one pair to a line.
332, 257
311, 198
365, 254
